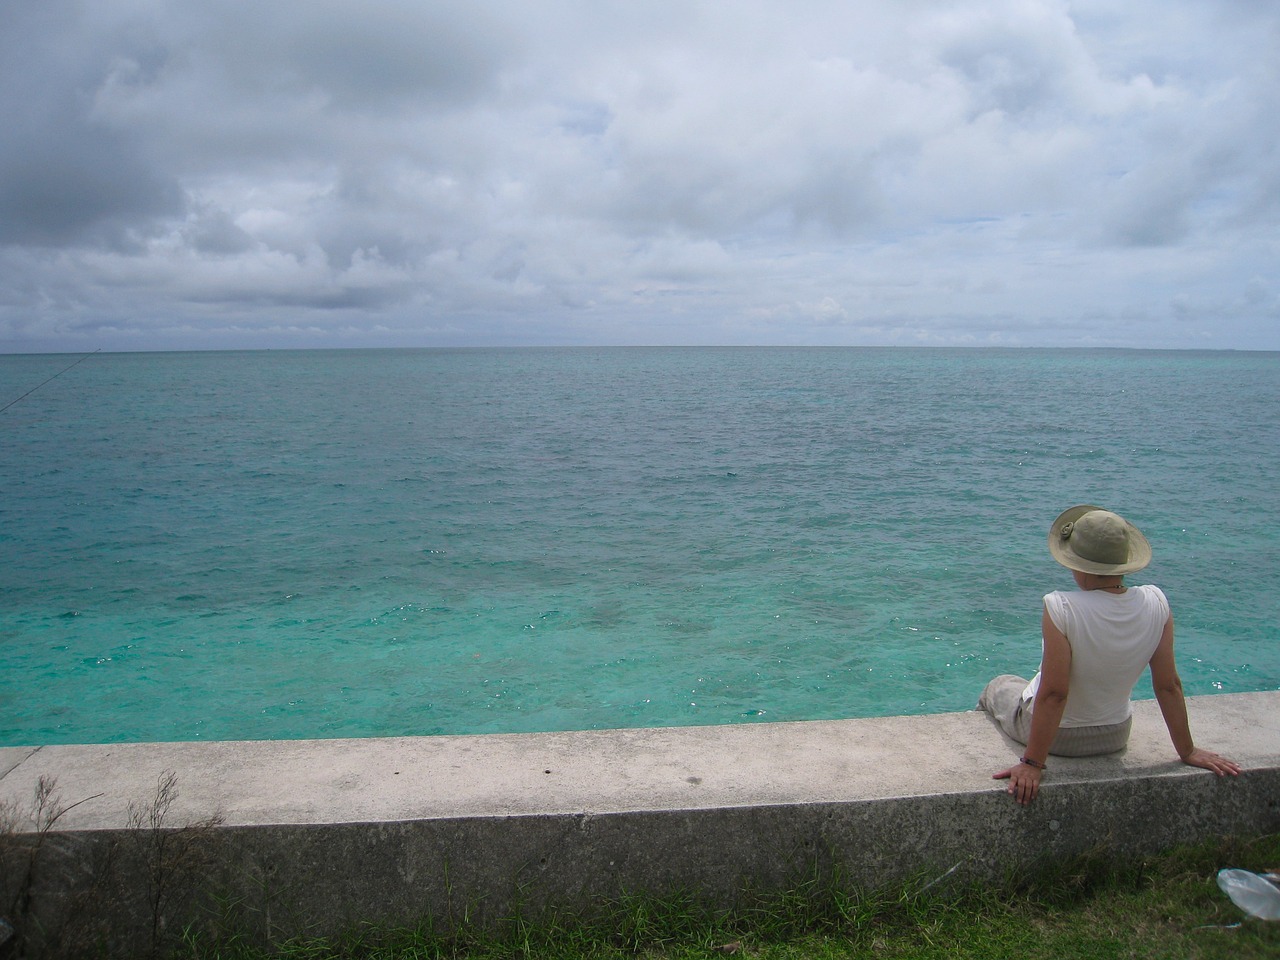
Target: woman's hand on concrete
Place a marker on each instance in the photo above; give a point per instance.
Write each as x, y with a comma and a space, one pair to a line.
1024, 782
1211, 761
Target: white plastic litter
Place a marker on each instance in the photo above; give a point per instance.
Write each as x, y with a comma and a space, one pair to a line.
1254, 894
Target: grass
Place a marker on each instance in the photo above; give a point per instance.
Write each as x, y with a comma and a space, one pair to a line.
1168, 906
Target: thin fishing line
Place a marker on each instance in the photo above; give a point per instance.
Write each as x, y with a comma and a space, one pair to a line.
54, 377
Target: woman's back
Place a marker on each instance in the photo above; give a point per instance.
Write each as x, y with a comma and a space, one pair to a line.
1113, 637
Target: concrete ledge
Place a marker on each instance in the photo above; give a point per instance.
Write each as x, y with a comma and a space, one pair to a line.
320, 834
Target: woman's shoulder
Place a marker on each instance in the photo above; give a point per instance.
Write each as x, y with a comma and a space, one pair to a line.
1153, 595
1149, 589
1055, 603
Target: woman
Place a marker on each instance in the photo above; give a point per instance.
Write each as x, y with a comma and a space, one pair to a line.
1097, 641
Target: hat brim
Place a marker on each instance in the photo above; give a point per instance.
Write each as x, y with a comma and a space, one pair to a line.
1060, 550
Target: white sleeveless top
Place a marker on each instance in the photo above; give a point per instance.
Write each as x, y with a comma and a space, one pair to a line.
1113, 637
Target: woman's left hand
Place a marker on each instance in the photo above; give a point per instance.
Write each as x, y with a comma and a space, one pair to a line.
1024, 782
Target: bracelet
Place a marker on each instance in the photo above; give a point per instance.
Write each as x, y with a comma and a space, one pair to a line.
1033, 763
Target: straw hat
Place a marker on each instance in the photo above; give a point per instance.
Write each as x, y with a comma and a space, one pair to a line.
1093, 540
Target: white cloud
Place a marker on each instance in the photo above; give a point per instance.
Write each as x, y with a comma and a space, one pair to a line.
1014, 171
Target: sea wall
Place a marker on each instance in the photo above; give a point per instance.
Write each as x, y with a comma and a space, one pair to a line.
290, 837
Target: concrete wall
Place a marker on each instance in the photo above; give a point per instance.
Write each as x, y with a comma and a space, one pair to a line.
316, 835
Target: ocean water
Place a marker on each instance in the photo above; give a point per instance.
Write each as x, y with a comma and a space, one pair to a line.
282, 545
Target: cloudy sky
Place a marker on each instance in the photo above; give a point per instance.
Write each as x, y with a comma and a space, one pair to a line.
332, 173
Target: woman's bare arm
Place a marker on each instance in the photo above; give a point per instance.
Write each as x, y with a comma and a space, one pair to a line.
1051, 699
1173, 705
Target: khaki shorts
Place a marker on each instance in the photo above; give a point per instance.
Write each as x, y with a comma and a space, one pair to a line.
1003, 700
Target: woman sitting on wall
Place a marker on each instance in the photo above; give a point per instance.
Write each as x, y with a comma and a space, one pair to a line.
1097, 641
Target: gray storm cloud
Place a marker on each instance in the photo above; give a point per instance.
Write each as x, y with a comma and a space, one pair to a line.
394, 173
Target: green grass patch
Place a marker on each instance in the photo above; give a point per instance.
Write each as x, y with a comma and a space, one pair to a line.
1094, 906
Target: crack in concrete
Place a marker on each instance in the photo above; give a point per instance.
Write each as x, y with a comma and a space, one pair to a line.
9, 767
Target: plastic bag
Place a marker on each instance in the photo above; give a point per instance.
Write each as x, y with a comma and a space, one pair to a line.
1252, 893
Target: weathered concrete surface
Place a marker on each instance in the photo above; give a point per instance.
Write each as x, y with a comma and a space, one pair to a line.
321, 833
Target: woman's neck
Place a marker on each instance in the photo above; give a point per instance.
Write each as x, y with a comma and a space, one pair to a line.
1093, 581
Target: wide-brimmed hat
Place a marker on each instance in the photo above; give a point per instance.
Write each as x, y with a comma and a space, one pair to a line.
1093, 540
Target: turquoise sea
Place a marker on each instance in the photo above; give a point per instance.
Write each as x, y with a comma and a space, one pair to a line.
279, 545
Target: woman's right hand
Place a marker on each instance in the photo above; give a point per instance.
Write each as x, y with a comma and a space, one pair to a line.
1211, 761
